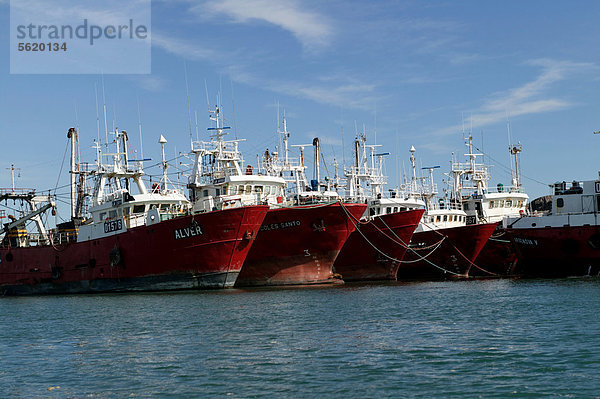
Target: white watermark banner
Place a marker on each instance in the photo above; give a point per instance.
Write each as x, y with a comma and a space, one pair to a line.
80, 37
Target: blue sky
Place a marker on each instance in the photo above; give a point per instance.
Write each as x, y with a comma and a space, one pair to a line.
410, 72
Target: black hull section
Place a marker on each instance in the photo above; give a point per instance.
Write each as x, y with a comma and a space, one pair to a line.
169, 282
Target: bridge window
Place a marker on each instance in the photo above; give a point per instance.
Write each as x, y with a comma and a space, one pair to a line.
445, 218
395, 209
388, 210
466, 206
491, 204
112, 214
103, 216
138, 209
560, 202
508, 203
205, 193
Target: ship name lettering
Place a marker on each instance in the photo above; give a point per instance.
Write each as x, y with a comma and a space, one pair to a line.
187, 232
526, 241
282, 225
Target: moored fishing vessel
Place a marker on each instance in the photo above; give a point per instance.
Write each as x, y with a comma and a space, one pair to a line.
375, 249
443, 245
301, 234
126, 240
565, 241
483, 204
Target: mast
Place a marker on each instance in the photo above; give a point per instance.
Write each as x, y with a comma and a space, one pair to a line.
286, 136
317, 164
12, 172
125, 139
515, 149
187, 92
72, 135
413, 163
162, 142
97, 146
140, 129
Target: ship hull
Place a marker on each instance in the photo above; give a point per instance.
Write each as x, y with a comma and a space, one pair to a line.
374, 250
298, 245
444, 253
170, 255
498, 258
557, 251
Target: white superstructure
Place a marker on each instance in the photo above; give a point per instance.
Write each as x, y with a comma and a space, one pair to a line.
573, 204
482, 203
219, 181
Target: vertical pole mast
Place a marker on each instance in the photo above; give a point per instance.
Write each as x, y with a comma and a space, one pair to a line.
162, 142
72, 136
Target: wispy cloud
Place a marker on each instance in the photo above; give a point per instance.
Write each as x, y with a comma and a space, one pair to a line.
103, 13
313, 30
530, 98
181, 47
326, 89
150, 82
356, 96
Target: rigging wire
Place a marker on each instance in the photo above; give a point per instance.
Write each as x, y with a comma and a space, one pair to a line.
508, 169
61, 167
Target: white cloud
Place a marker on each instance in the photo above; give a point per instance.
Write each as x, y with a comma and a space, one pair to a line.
181, 48
103, 13
526, 99
311, 29
358, 96
150, 82
331, 90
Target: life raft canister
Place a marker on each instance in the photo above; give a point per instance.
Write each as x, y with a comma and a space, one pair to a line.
249, 170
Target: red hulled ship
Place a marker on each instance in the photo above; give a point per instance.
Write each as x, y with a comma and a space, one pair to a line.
302, 232
131, 241
299, 244
565, 241
445, 252
375, 249
485, 204
443, 246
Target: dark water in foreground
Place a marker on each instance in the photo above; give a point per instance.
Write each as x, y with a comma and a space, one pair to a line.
502, 338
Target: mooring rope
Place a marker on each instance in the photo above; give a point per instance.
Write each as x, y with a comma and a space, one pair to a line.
404, 244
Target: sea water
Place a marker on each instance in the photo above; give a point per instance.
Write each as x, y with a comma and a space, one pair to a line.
495, 338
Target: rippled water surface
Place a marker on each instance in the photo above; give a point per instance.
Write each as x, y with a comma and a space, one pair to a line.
500, 338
